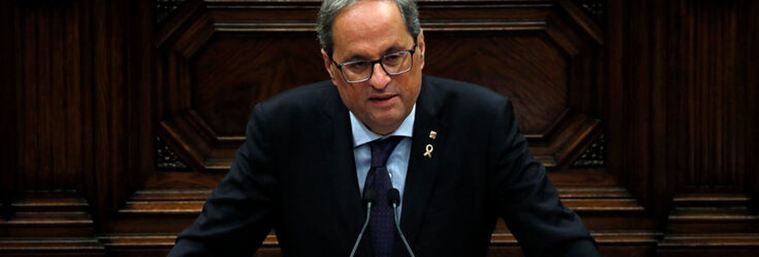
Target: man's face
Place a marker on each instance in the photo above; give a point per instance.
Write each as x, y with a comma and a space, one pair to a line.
368, 30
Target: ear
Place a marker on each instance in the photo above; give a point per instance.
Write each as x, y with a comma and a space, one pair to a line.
328, 66
421, 45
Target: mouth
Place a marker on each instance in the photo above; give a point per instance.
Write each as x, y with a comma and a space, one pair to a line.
383, 100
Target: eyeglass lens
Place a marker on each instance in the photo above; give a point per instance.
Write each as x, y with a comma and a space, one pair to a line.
393, 64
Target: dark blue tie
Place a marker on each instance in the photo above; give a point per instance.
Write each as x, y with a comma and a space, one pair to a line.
381, 225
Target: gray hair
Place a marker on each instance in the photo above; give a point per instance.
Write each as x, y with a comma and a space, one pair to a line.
330, 9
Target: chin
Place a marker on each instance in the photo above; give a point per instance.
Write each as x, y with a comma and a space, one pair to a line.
385, 123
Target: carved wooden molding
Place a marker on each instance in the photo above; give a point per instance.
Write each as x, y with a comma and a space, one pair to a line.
594, 156
195, 25
711, 224
164, 8
595, 9
49, 223
166, 158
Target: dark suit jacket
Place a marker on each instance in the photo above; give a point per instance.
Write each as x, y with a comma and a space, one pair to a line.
296, 174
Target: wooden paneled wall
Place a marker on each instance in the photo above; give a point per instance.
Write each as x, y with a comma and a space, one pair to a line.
683, 71
8, 155
683, 119
121, 115
80, 74
79, 120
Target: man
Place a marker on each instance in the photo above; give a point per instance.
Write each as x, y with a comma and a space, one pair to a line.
451, 150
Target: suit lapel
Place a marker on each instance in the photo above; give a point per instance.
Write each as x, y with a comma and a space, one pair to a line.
422, 169
421, 174
338, 142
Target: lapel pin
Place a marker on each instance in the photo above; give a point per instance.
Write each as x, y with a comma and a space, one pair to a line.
428, 151
433, 134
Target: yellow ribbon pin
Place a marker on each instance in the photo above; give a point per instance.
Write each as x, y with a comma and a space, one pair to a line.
428, 151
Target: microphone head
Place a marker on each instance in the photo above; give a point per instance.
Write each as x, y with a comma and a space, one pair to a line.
369, 196
393, 197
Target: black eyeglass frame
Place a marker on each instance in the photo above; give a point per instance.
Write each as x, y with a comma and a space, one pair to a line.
373, 62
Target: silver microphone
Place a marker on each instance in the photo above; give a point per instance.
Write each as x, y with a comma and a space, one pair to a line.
369, 198
394, 198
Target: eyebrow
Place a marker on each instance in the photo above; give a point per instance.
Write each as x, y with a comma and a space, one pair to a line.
361, 57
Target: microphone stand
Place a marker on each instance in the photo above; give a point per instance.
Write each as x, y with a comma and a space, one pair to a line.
394, 198
369, 199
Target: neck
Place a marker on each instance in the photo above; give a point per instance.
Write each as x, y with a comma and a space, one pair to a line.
382, 131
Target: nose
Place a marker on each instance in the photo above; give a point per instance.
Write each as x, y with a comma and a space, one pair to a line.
379, 79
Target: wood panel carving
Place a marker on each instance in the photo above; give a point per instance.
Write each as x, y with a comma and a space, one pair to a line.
711, 99
711, 210
79, 106
9, 112
219, 61
51, 146
683, 118
47, 223
669, 88
594, 156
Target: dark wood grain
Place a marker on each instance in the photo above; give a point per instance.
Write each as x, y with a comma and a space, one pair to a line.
527, 66
681, 110
709, 224
8, 108
711, 96
121, 83
233, 73
629, 103
50, 223
27, 143
44, 76
90, 84
751, 74
84, 19
107, 80
70, 100
218, 61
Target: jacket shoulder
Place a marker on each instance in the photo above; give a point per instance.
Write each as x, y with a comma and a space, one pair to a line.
306, 96
464, 94
296, 107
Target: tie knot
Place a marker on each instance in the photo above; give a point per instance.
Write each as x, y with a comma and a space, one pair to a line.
381, 150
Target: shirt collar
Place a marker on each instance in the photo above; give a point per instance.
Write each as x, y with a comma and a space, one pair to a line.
362, 134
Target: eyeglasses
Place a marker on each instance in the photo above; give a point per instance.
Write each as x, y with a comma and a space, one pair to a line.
393, 64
